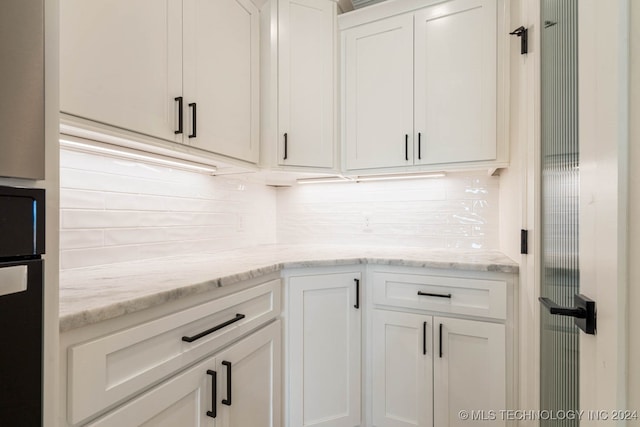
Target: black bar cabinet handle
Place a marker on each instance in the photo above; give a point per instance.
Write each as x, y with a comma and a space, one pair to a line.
180, 115
227, 401
357, 305
214, 393
212, 330
419, 145
285, 146
424, 338
440, 340
194, 124
429, 294
406, 147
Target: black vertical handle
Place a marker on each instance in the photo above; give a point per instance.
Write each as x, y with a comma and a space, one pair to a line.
214, 393
227, 401
424, 338
357, 305
419, 145
406, 147
440, 340
194, 123
285, 146
180, 115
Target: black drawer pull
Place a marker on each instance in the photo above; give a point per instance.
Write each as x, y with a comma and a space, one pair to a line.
194, 123
429, 294
357, 306
180, 115
227, 401
419, 146
214, 393
212, 330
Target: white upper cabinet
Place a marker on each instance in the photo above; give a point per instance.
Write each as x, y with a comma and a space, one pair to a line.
221, 76
121, 63
378, 94
299, 85
455, 82
420, 86
186, 71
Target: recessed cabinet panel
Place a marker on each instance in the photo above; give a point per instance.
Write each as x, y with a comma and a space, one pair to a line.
306, 82
455, 77
402, 369
121, 63
378, 94
221, 63
181, 401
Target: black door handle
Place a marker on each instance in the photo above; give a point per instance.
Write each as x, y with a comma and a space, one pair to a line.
214, 393
357, 305
419, 146
227, 401
584, 312
440, 340
285, 146
194, 124
406, 147
429, 294
180, 115
424, 338
212, 330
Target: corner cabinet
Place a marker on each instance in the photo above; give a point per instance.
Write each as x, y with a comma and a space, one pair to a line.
299, 84
185, 71
421, 88
324, 319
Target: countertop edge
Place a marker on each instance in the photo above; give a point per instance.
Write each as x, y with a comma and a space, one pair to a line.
84, 318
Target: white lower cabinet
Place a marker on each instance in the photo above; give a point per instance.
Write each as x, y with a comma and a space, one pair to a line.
238, 387
427, 369
324, 349
468, 371
402, 369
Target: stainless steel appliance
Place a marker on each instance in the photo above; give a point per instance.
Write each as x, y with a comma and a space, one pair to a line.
22, 235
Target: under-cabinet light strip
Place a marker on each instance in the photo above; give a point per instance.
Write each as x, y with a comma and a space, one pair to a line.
369, 178
127, 154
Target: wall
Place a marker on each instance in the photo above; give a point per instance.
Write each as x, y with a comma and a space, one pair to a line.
634, 212
115, 210
458, 211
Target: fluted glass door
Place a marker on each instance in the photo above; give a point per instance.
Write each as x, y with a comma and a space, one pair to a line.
559, 373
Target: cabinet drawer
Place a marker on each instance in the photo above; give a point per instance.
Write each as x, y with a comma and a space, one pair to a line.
109, 369
456, 295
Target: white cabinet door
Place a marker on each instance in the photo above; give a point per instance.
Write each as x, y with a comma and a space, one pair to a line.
121, 63
249, 385
402, 370
221, 77
378, 94
455, 82
306, 82
469, 370
184, 401
324, 350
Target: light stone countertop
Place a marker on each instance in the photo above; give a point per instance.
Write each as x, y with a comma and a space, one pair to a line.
91, 295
